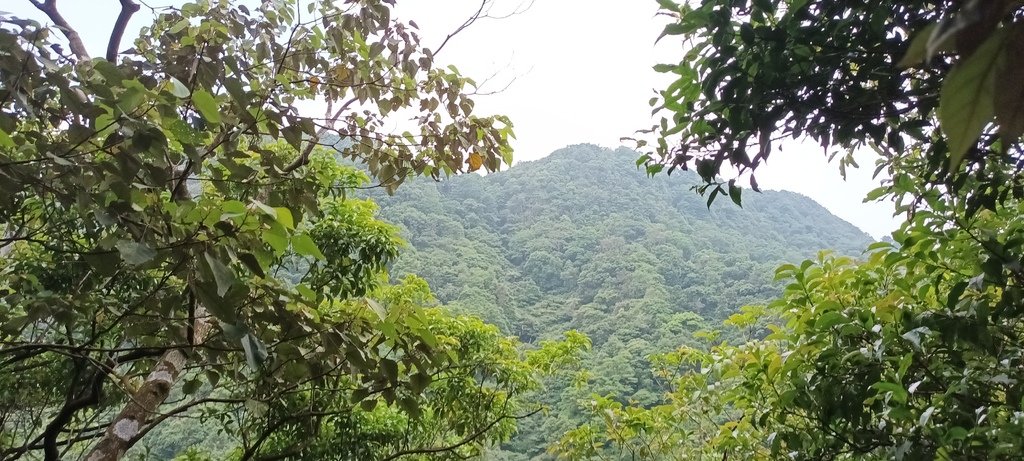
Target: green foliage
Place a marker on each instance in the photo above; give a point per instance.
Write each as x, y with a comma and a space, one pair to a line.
909, 354
169, 224
637, 264
757, 73
913, 350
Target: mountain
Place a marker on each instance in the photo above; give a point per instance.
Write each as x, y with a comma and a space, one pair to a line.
584, 240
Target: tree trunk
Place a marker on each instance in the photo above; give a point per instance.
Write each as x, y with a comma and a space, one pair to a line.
143, 404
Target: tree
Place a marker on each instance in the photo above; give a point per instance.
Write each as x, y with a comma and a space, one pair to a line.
756, 73
153, 201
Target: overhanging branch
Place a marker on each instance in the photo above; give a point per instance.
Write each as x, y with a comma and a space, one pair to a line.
74, 40
128, 8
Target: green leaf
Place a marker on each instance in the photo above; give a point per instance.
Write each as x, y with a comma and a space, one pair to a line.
253, 264
390, 369
966, 99
898, 393
207, 105
206, 294
918, 50
914, 336
135, 253
672, 29
419, 381
222, 274
735, 193
256, 407
829, 320
956, 433
284, 216
359, 394
303, 244
368, 405
191, 386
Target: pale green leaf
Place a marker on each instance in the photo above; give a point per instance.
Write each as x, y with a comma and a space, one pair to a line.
135, 253
207, 105
222, 274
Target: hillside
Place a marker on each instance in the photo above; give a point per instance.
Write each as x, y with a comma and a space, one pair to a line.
583, 216
583, 240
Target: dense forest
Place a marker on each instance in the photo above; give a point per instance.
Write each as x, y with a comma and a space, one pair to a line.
194, 267
582, 239
638, 264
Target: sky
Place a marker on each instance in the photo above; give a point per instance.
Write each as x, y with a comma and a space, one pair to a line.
566, 72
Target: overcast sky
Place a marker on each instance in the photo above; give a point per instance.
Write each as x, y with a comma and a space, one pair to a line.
580, 72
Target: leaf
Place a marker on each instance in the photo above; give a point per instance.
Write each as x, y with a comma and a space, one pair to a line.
256, 407
303, 245
255, 351
222, 274
914, 336
926, 416
206, 294
1009, 106
956, 433
191, 386
284, 216
206, 105
179, 89
390, 369
898, 393
359, 394
918, 49
829, 320
475, 161
419, 381
253, 264
735, 193
381, 312
368, 405
966, 99
135, 253
672, 29
234, 332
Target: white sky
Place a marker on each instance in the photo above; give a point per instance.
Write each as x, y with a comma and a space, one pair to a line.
582, 74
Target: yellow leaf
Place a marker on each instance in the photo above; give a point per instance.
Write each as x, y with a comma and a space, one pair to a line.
475, 161
314, 81
341, 73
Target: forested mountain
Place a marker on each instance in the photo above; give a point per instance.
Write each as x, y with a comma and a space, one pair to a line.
584, 240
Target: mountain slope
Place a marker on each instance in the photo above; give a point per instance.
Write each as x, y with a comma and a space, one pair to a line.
583, 216
583, 240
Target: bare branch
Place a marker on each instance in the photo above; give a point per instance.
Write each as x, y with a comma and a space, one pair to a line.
484, 12
128, 8
328, 126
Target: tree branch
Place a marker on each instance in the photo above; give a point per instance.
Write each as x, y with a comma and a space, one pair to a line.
128, 8
468, 439
74, 40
